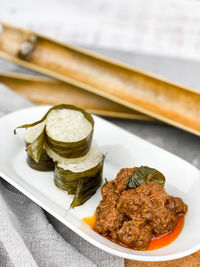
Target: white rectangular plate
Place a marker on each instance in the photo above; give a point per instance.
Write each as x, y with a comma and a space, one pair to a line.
122, 150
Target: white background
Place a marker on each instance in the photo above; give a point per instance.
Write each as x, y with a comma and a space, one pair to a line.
160, 27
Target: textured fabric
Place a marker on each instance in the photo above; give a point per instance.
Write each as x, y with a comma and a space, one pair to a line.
29, 237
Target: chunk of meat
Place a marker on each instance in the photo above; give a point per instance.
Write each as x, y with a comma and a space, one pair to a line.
121, 178
142, 200
135, 233
162, 221
108, 189
108, 217
176, 205
129, 203
148, 201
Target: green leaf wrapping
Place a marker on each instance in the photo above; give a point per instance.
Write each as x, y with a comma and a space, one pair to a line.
45, 163
144, 174
81, 184
64, 149
35, 149
70, 149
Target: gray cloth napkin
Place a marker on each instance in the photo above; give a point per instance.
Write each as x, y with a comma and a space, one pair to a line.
31, 237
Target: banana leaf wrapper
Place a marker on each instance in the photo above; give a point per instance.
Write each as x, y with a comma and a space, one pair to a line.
82, 185
64, 149
45, 163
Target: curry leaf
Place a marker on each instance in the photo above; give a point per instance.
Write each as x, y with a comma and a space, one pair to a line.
144, 174
98, 210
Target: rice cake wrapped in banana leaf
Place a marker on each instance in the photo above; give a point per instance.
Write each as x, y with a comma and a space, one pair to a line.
45, 163
80, 177
69, 131
63, 137
65, 129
